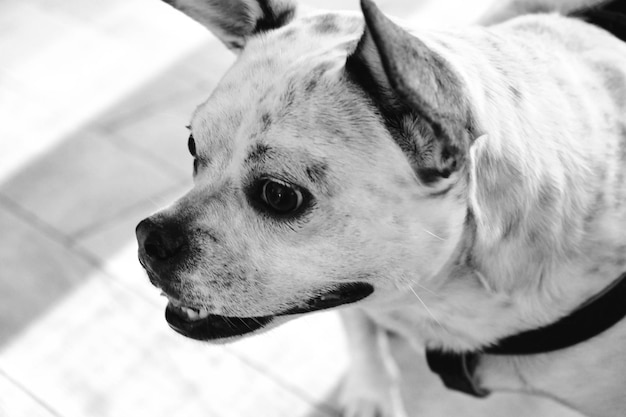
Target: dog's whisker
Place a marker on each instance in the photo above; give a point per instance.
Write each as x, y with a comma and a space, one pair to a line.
434, 235
242, 321
227, 319
426, 289
246, 323
155, 202
259, 282
483, 281
425, 307
256, 321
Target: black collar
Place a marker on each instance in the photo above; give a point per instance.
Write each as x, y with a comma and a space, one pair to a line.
592, 318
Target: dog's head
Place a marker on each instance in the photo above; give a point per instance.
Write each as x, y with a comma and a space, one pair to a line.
324, 175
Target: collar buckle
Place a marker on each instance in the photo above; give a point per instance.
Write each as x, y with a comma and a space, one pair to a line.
456, 370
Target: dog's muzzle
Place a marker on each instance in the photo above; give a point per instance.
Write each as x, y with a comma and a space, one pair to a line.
162, 246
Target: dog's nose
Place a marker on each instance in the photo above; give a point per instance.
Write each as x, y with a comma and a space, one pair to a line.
159, 241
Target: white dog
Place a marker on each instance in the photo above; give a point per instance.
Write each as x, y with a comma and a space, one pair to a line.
351, 162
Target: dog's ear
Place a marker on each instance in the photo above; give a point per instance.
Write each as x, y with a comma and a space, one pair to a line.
419, 96
234, 21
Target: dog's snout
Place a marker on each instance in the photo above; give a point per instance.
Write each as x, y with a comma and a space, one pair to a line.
160, 241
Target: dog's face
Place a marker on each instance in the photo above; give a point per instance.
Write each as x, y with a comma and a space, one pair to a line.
306, 195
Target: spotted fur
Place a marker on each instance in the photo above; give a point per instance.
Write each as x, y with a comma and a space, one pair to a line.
473, 176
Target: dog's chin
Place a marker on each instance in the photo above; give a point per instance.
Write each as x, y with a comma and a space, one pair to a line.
222, 329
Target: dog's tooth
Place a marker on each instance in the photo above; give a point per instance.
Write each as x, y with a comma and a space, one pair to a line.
193, 314
203, 314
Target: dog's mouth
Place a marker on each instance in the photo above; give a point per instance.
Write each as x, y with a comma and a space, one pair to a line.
201, 325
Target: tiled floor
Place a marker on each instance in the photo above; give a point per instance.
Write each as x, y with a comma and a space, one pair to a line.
94, 97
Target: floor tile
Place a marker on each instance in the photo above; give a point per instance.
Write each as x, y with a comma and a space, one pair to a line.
83, 181
36, 272
104, 351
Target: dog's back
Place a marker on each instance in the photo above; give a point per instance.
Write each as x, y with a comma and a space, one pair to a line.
607, 14
610, 16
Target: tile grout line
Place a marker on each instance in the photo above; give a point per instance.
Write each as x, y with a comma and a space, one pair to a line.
48, 230
300, 393
93, 228
140, 152
66, 241
148, 106
30, 394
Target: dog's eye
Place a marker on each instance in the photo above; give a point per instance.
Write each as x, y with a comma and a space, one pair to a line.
191, 145
282, 198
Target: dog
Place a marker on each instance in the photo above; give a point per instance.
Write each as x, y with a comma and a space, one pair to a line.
462, 189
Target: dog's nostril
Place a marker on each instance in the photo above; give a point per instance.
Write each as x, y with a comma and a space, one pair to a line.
154, 247
162, 247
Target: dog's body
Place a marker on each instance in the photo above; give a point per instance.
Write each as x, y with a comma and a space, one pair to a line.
455, 187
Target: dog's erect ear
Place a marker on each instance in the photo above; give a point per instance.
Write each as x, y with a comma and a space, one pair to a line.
418, 94
234, 21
